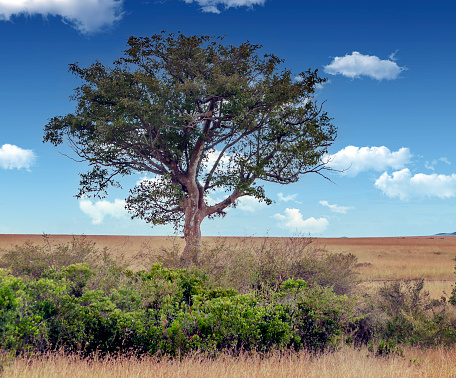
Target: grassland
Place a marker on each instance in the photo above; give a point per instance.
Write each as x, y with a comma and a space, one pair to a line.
346, 363
389, 258
380, 259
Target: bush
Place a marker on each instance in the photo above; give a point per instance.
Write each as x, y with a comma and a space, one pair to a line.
403, 313
319, 317
251, 266
24, 308
231, 324
172, 311
77, 274
31, 260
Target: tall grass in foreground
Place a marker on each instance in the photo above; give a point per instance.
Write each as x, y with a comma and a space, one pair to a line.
346, 363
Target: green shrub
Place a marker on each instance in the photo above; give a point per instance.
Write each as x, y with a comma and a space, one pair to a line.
248, 297
78, 274
172, 311
24, 310
228, 324
319, 317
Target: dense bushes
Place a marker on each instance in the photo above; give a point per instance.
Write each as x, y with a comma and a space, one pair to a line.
75, 298
172, 311
107, 308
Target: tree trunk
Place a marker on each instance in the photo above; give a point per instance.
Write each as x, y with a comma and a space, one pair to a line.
192, 234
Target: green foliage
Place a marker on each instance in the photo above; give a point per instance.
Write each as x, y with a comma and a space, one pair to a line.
171, 311
318, 316
77, 274
232, 323
24, 307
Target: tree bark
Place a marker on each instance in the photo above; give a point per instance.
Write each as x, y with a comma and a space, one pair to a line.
195, 211
192, 234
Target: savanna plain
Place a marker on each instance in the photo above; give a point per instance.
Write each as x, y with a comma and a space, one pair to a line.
402, 320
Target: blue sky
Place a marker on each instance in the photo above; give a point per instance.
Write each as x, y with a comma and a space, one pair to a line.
390, 66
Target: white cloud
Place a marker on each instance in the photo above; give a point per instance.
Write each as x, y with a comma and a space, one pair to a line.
357, 65
250, 204
211, 6
84, 15
353, 160
15, 157
291, 197
403, 185
293, 221
336, 208
100, 209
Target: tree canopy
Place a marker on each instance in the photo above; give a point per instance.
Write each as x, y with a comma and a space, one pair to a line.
198, 116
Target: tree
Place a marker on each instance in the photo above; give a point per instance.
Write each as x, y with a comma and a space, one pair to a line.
199, 116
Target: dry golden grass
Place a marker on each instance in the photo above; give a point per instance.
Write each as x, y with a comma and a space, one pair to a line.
436, 289
128, 245
380, 259
431, 258
346, 363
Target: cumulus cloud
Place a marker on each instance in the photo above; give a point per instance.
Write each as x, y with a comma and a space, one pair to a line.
250, 204
100, 209
12, 157
336, 208
293, 221
212, 6
353, 160
357, 65
402, 184
84, 15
